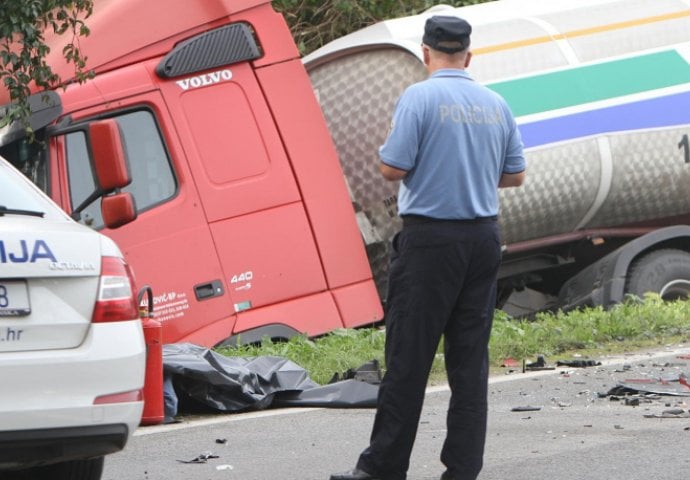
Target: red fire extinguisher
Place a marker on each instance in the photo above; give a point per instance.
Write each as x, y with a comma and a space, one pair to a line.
154, 412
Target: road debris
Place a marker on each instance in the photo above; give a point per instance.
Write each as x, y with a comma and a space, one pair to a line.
510, 363
526, 408
540, 364
670, 413
650, 385
202, 458
578, 363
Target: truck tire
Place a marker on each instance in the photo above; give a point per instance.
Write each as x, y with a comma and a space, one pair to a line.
88, 469
666, 272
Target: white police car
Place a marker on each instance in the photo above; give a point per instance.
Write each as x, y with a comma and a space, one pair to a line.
72, 352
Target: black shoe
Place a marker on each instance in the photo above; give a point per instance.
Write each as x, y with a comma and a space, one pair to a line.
355, 474
447, 475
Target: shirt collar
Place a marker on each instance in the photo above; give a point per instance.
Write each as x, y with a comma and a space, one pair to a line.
451, 72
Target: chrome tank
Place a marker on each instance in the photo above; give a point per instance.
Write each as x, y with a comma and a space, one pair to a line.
600, 90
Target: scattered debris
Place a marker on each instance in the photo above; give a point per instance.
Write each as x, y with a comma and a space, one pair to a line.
222, 441
669, 365
526, 408
671, 413
540, 364
578, 363
510, 363
648, 385
225, 467
203, 458
683, 380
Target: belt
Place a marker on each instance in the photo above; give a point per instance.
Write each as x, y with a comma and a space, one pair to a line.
421, 219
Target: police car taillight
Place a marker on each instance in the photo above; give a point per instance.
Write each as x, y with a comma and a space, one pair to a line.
116, 299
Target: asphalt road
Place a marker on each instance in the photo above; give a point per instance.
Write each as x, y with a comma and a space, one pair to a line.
575, 434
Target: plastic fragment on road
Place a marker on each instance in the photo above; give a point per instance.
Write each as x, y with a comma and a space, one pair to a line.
526, 408
202, 458
670, 413
656, 386
225, 467
578, 363
540, 364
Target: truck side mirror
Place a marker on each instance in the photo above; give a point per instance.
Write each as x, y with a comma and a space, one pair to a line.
118, 209
110, 161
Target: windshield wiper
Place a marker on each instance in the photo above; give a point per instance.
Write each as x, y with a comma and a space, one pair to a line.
15, 211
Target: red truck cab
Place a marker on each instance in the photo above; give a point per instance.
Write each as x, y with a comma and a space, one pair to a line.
244, 225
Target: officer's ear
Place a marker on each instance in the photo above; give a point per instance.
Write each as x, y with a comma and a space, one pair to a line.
468, 58
425, 55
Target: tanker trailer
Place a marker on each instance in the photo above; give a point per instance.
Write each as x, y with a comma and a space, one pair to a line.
601, 92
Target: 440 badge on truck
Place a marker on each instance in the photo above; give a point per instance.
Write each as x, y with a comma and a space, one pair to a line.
242, 281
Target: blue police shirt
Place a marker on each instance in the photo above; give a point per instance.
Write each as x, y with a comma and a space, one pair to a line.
455, 138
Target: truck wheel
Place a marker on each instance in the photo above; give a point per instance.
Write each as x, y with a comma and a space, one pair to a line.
88, 469
666, 272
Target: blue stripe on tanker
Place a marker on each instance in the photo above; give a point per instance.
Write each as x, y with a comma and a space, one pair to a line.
668, 111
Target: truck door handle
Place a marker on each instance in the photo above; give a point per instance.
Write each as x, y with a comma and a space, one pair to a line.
204, 291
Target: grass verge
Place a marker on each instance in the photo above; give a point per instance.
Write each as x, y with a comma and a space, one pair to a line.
593, 331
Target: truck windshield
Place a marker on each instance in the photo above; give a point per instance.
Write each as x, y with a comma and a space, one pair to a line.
30, 159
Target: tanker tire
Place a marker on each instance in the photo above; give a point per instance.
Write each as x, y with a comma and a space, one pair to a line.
666, 272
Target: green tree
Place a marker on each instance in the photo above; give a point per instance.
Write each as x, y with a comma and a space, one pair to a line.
23, 50
316, 22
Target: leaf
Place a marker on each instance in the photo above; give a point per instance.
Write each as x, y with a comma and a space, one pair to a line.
25, 21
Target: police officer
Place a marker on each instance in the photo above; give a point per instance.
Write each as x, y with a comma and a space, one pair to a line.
453, 143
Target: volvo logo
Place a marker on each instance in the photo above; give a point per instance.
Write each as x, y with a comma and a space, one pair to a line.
205, 79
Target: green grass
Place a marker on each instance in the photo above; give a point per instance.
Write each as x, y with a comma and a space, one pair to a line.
595, 331
336, 352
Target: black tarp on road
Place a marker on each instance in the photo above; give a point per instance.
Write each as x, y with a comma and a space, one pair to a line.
199, 378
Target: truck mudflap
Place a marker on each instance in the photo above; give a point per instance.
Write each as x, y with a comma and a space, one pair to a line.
604, 281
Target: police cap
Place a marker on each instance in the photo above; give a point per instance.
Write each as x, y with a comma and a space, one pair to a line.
447, 34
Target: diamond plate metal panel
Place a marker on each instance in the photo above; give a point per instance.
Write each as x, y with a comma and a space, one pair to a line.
357, 95
560, 187
650, 178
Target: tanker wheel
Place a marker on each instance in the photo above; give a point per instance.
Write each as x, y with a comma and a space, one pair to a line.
666, 272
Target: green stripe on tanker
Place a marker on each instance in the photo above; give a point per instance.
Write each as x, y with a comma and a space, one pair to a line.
593, 83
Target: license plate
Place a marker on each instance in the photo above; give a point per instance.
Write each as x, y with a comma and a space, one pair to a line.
14, 298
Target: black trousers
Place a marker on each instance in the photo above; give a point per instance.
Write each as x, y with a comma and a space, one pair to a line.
442, 282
